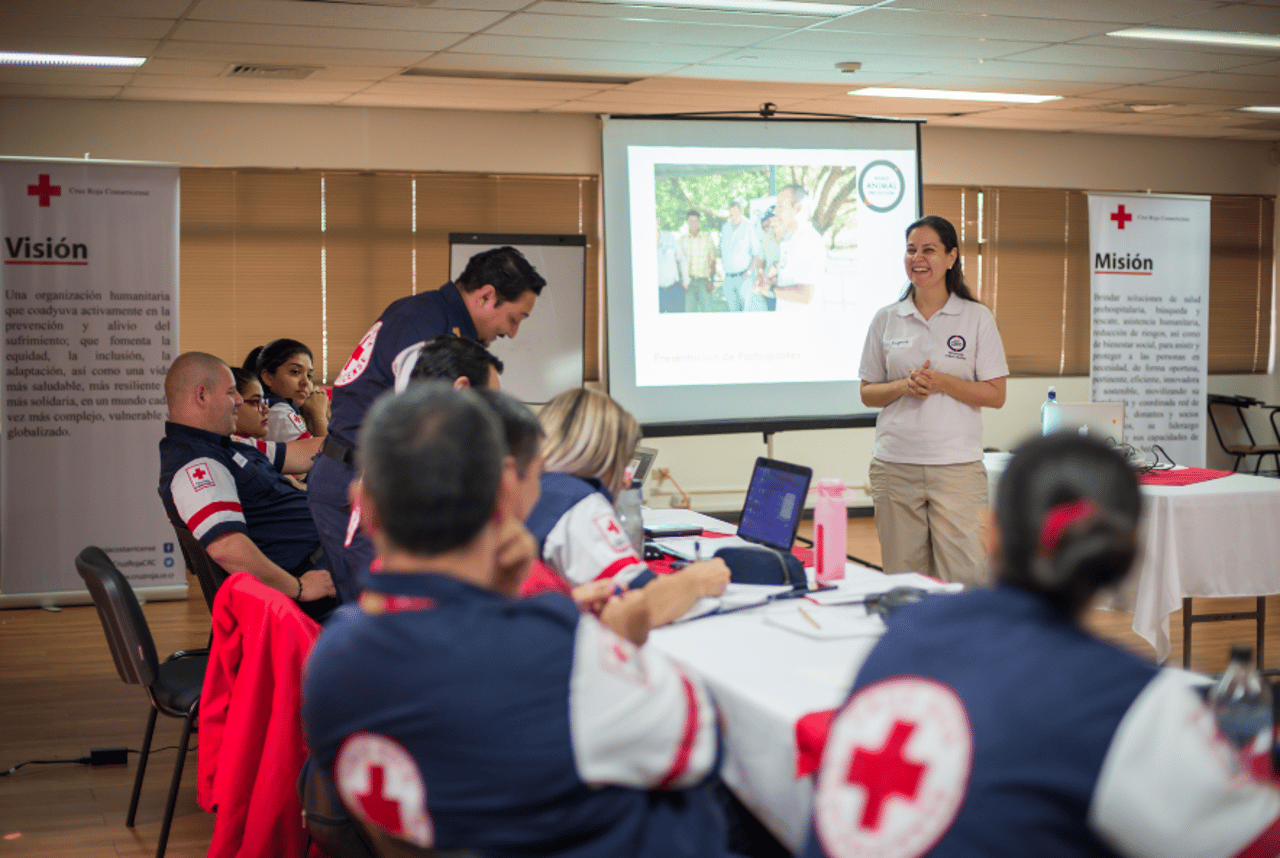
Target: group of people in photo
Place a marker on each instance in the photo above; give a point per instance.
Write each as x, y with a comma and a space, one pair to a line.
483, 680
765, 257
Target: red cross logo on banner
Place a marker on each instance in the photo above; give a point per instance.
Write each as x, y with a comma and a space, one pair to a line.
380, 782
895, 770
44, 190
885, 773
1121, 217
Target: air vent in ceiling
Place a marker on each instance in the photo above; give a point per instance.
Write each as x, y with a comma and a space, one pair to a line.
539, 77
270, 72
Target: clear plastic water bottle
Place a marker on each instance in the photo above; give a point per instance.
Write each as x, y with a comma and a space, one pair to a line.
1241, 701
627, 508
1049, 413
830, 531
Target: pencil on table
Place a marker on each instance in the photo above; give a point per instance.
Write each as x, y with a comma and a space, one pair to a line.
805, 614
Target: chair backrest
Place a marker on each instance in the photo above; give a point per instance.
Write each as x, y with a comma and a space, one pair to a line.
128, 634
210, 575
1226, 414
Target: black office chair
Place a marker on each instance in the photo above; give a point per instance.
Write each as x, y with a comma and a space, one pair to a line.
172, 686
207, 571
1230, 410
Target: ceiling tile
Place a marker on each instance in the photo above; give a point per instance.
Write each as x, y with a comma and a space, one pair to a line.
38, 90
1228, 82
1128, 56
366, 16
629, 30
1120, 11
319, 37
967, 25
783, 60
78, 43
101, 26
544, 65
641, 12
583, 49
286, 55
854, 44
248, 96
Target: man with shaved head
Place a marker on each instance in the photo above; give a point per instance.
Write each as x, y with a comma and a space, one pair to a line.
232, 496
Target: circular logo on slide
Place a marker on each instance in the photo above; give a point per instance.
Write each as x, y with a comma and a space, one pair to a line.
881, 186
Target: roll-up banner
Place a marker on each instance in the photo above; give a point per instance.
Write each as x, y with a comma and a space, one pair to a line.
90, 297
1150, 291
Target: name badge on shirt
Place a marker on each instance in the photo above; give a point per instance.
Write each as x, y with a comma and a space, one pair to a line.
901, 343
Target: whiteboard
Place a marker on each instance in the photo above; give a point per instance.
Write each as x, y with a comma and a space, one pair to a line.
545, 357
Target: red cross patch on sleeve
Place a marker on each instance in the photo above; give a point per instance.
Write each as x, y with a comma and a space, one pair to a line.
200, 476
612, 533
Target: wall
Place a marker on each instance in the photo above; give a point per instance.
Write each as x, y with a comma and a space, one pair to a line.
715, 468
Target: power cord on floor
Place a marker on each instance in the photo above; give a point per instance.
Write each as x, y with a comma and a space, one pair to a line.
97, 757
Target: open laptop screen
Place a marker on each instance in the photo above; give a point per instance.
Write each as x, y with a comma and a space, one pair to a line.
775, 501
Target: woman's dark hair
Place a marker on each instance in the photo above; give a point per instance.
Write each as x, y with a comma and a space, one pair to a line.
243, 377
955, 274
1067, 508
272, 356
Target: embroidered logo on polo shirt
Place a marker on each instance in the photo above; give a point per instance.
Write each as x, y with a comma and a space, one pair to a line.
200, 476
379, 782
895, 770
956, 343
359, 359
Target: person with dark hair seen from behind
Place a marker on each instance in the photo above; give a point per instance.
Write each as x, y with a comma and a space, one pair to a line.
460, 360
931, 363
992, 723
503, 726
493, 295
298, 410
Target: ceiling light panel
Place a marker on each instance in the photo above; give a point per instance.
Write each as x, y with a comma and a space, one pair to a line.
954, 95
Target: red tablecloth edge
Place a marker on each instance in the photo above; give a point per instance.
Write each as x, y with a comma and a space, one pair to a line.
811, 738
1181, 477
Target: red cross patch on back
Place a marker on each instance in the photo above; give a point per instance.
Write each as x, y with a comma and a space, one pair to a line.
895, 770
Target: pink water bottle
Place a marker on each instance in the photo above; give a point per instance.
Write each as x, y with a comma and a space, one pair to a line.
830, 530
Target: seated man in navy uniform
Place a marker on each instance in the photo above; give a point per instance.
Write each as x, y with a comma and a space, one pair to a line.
232, 496
492, 296
454, 715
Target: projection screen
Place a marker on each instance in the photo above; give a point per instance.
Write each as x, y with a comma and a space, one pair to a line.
766, 346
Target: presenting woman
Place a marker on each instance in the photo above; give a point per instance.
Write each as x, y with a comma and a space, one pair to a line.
931, 362
588, 445
297, 409
992, 723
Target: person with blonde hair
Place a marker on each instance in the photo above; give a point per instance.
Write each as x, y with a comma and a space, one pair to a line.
589, 442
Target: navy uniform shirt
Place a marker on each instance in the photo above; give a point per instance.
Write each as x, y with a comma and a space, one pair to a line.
460, 718
402, 325
214, 485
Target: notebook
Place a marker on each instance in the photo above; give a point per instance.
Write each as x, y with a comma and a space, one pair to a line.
770, 513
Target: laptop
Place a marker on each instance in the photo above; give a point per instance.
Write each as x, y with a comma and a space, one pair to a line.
770, 513
1102, 420
639, 466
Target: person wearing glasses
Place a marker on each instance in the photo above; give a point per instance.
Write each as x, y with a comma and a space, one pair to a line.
251, 414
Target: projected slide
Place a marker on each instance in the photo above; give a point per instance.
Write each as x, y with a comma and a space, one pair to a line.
745, 260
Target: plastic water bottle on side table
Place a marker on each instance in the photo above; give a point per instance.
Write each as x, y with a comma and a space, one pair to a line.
830, 531
1049, 413
1241, 701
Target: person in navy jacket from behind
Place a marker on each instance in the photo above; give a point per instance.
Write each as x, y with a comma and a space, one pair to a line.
991, 723
454, 715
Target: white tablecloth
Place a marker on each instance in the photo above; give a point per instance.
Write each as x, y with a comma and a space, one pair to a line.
1213, 539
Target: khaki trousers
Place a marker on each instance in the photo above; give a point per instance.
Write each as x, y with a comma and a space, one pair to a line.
927, 519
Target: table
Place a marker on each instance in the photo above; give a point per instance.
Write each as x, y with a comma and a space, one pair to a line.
764, 679
1214, 539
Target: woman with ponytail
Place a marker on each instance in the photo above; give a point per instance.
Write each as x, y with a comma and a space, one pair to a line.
992, 723
298, 409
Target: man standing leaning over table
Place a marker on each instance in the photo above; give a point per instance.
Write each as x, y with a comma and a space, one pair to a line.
494, 294
546, 734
